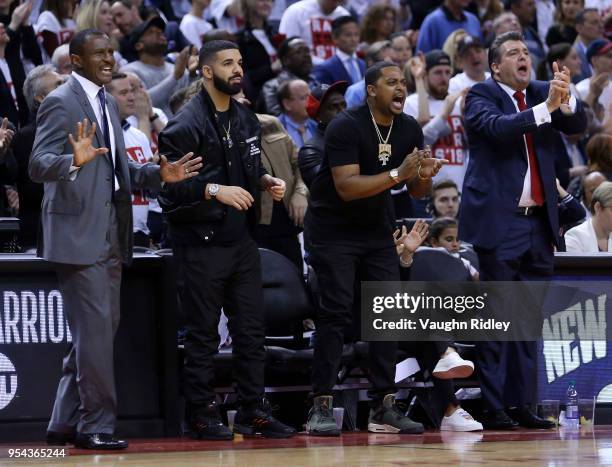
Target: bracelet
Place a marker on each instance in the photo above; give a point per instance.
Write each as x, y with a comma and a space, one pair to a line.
425, 179
153, 117
406, 264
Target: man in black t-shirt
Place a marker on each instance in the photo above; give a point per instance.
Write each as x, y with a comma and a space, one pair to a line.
368, 150
211, 219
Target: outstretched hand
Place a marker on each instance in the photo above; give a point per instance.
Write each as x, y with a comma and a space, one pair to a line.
182, 169
82, 148
406, 243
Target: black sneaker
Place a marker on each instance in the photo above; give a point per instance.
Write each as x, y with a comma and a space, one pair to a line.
258, 420
206, 424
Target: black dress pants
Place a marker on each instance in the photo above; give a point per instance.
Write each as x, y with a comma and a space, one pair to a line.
229, 277
336, 265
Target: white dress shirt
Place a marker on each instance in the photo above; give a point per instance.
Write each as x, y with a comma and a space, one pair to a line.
541, 116
91, 91
346, 62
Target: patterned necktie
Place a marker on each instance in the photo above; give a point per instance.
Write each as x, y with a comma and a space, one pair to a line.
106, 133
537, 190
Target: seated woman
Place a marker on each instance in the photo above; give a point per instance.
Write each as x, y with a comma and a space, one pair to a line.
594, 235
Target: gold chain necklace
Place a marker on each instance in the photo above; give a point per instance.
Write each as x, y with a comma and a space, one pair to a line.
384, 148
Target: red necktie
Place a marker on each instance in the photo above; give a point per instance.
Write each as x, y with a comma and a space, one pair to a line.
537, 190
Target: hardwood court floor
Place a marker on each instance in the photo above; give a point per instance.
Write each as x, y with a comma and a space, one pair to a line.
529, 448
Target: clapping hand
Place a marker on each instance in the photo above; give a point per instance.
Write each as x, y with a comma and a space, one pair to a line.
558, 92
406, 243
6, 136
82, 148
184, 168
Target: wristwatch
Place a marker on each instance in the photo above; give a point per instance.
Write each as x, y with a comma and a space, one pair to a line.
213, 189
153, 117
394, 174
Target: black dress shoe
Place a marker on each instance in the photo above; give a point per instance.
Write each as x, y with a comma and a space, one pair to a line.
526, 418
103, 441
498, 420
58, 438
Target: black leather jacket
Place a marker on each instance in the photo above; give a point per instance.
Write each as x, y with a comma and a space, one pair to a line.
194, 129
311, 155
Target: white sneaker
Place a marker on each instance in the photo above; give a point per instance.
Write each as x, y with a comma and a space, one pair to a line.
460, 420
453, 366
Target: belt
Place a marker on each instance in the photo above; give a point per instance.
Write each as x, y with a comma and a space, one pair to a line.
529, 210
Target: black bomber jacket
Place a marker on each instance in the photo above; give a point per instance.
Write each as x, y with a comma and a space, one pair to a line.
195, 129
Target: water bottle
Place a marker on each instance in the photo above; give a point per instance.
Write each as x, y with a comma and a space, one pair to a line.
571, 406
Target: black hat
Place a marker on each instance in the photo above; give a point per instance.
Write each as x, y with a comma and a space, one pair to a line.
320, 93
468, 42
436, 57
142, 28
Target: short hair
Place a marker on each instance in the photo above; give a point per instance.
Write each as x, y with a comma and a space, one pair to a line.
285, 47
339, 22
126, 3
440, 224
495, 49
32, 86
375, 71
116, 76
77, 44
603, 195
284, 91
580, 16
373, 52
442, 185
210, 49
62, 50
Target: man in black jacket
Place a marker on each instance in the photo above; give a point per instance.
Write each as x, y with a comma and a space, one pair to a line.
211, 218
324, 103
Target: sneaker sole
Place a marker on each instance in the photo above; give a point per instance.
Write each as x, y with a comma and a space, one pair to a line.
328, 433
457, 372
251, 433
461, 429
378, 428
196, 435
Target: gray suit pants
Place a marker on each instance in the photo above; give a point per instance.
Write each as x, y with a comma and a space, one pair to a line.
86, 400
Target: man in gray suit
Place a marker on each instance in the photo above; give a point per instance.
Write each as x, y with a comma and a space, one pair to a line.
86, 223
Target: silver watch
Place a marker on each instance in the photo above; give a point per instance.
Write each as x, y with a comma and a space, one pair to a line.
394, 174
213, 189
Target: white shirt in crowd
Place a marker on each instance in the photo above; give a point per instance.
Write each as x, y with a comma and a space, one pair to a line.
451, 145
48, 22
605, 99
133, 120
262, 38
6, 71
138, 150
194, 28
461, 81
306, 20
216, 10
582, 239
91, 90
545, 16
602, 5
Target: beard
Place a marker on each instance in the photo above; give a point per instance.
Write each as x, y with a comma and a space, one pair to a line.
225, 87
155, 49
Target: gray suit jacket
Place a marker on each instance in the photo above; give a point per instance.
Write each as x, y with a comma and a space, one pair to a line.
75, 214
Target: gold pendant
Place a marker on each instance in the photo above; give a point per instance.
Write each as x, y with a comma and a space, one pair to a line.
384, 153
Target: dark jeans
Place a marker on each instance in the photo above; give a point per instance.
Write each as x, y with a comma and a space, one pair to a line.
336, 265
212, 277
508, 370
